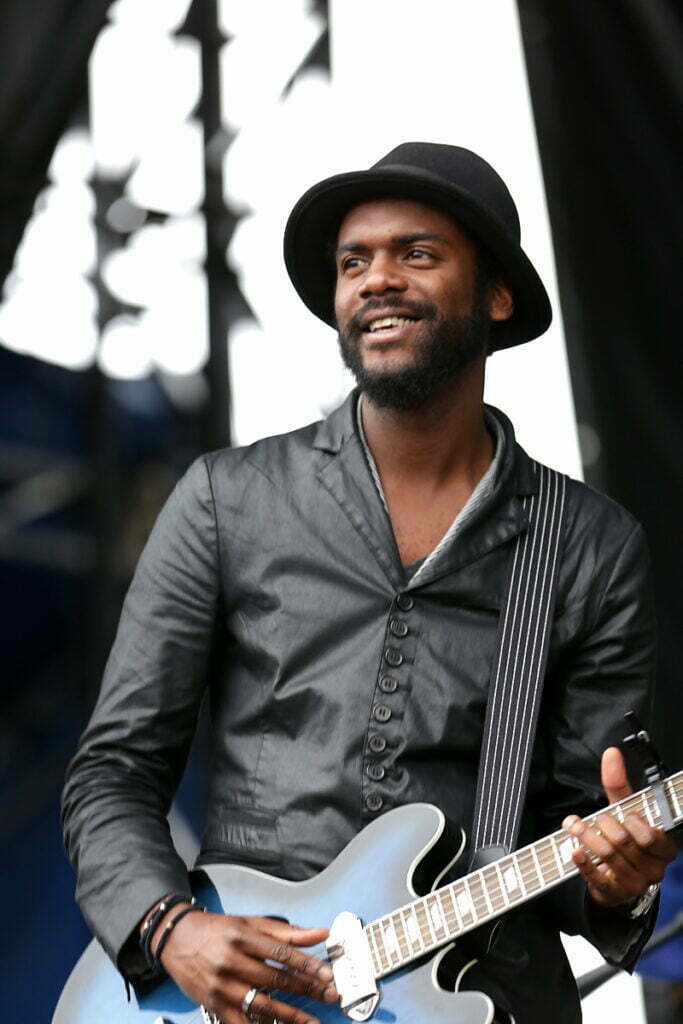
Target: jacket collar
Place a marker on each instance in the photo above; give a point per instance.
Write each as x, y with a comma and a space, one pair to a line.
339, 426
347, 476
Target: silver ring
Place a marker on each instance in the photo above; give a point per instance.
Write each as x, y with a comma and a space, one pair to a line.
249, 999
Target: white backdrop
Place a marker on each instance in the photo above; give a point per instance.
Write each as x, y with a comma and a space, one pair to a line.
453, 71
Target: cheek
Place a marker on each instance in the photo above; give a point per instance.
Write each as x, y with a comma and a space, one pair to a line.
340, 305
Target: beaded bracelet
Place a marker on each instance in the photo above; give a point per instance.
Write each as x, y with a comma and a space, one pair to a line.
150, 925
194, 907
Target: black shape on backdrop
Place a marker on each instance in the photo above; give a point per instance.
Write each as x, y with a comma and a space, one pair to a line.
44, 51
607, 91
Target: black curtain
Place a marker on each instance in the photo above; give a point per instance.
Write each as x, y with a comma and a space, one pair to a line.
606, 82
44, 50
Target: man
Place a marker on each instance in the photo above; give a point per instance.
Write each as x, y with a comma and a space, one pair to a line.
346, 581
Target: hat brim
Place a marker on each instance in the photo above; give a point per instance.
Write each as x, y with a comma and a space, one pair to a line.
314, 222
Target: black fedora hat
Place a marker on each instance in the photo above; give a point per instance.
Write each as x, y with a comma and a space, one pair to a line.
451, 178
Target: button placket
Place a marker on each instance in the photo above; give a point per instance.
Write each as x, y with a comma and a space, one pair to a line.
398, 651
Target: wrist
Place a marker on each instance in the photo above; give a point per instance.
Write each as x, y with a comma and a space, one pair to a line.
163, 924
163, 932
644, 902
150, 929
633, 908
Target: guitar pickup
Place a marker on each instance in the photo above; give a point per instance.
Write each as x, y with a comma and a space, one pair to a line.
354, 977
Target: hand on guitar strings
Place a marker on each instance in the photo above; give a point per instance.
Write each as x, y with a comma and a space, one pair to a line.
619, 860
219, 960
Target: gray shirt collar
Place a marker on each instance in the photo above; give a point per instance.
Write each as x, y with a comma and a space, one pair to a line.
480, 493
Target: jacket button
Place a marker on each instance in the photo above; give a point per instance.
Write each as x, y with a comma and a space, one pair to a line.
388, 685
373, 802
381, 713
404, 602
393, 657
375, 771
377, 744
398, 627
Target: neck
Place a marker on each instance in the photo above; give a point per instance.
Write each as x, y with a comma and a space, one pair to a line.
481, 896
443, 438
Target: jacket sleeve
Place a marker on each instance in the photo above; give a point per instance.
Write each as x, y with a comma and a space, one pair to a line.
132, 754
606, 671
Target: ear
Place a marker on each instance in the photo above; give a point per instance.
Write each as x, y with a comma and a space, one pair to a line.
500, 302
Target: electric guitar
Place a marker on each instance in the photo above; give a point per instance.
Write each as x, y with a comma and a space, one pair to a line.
385, 943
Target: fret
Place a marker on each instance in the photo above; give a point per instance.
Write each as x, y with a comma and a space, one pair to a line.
551, 871
532, 881
537, 865
504, 895
445, 913
481, 878
465, 906
494, 888
373, 931
646, 807
477, 897
428, 919
436, 916
520, 875
512, 876
430, 922
454, 903
501, 885
657, 812
412, 929
567, 847
384, 941
390, 940
423, 920
399, 930
556, 854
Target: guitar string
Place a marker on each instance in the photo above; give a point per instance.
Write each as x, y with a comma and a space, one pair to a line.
533, 881
674, 787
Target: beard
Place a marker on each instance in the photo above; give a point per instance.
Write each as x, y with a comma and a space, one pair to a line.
445, 348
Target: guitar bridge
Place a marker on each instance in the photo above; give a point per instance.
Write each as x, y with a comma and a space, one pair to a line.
354, 977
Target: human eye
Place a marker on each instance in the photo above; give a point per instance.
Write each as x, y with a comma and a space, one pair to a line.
349, 263
418, 253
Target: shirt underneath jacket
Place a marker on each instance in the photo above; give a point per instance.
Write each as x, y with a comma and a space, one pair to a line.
342, 686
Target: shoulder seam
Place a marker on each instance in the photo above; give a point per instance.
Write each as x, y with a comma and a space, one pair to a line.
219, 559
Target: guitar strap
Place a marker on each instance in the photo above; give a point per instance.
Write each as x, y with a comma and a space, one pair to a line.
519, 671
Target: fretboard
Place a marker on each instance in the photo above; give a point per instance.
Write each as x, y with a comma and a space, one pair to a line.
433, 920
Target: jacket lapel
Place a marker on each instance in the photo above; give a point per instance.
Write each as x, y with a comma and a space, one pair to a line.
499, 519
345, 474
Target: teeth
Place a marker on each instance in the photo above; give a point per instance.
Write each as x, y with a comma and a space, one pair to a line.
389, 321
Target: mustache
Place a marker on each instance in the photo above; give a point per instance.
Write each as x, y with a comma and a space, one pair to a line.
420, 310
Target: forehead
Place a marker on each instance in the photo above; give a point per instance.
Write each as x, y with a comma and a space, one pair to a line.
384, 219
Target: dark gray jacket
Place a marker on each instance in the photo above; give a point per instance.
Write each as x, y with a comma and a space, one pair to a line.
276, 565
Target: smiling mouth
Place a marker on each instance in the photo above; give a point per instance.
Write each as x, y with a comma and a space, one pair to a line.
385, 323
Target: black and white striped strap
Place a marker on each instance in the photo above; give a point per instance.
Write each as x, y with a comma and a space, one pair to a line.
522, 654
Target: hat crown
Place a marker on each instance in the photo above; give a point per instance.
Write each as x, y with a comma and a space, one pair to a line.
460, 168
449, 178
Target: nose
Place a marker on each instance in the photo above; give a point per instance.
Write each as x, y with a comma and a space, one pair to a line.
383, 275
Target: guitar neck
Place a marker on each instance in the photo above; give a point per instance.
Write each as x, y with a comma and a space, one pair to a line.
449, 912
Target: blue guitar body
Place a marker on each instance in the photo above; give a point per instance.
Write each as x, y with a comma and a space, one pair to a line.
371, 877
